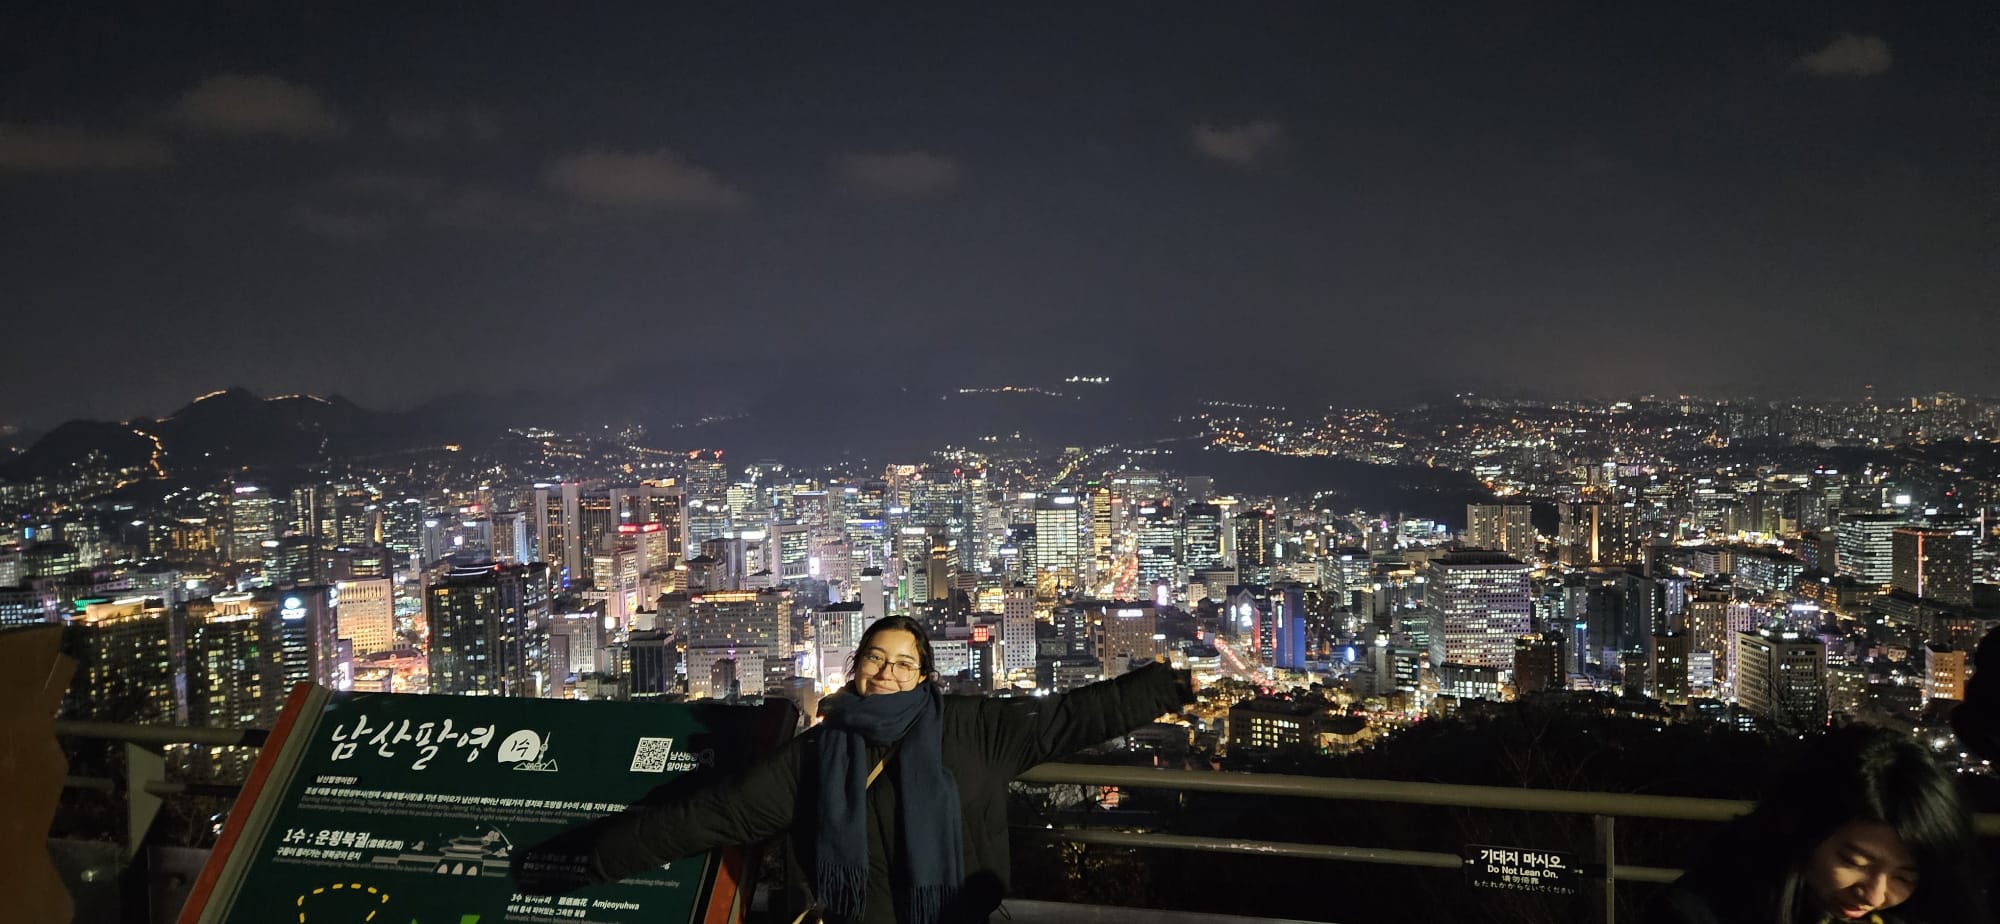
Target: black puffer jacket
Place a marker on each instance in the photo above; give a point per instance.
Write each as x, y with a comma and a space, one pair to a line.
987, 742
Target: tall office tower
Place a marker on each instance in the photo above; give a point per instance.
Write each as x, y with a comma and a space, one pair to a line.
1668, 666
253, 516
937, 569
1256, 545
793, 543
1201, 537
489, 630
368, 614
1501, 528
1017, 629
403, 527
511, 543
651, 542
1781, 678
1593, 533
666, 506
1156, 539
1075, 633
1103, 522
129, 656
617, 583
874, 596
1944, 673
1865, 546
727, 553
1060, 543
1935, 564
308, 623
749, 629
597, 527
1713, 620
1288, 617
310, 512
707, 497
837, 629
291, 560
1128, 634
235, 662
1540, 663
1484, 602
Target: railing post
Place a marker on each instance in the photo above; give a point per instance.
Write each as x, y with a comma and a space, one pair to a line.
1604, 850
143, 770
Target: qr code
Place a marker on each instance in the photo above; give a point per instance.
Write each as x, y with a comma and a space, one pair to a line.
651, 755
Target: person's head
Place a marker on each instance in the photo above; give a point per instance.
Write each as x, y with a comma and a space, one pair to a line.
1864, 822
894, 656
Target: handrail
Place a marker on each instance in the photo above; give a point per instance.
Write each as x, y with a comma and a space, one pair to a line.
161, 734
1628, 805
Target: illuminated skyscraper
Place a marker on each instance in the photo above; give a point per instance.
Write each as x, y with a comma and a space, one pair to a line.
129, 663
1781, 677
1201, 537
368, 614
1017, 629
489, 630
1935, 564
751, 628
837, 631
707, 497
1256, 545
1501, 528
1156, 540
1060, 544
252, 517
1866, 546
1944, 673
1668, 666
1484, 604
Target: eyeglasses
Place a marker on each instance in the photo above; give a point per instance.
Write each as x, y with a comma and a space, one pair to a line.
901, 670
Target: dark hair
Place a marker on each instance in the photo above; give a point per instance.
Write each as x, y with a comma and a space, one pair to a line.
897, 624
1856, 773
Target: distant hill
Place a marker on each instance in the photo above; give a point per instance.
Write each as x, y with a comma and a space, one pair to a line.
226, 430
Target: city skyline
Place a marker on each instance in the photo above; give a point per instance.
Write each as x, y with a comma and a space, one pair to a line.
1288, 203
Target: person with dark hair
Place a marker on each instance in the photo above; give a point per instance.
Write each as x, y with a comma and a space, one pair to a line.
1864, 827
896, 804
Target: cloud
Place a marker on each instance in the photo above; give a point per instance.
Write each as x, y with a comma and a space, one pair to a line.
644, 180
908, 174
467, 123
341, 223
1849, 56
256, 104
1242, 145
67, 149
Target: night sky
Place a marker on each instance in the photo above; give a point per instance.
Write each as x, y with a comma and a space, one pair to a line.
1315, 201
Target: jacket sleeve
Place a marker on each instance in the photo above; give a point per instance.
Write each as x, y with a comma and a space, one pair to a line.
748, 807
1026, 732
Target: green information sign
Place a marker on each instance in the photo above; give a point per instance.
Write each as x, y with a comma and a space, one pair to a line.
378, 808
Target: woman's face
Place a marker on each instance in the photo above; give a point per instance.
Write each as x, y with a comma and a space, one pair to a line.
1859, 869
890, 662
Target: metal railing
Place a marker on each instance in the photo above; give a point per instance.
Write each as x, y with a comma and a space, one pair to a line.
1603, 808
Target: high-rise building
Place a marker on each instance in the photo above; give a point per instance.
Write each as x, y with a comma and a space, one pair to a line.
1865, 548
1484, 603
1668, 666
707, 497
1061, 543
129, 666
489, 630
1288, 617
1501, 528
1944, 673
1935, 564
1201, 537
308, 623
1594, 533
837, 632
253, 516
751, 629
1017, 629
1157, 535
1256, 533
1128, 634
1540, 663
1781, 677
